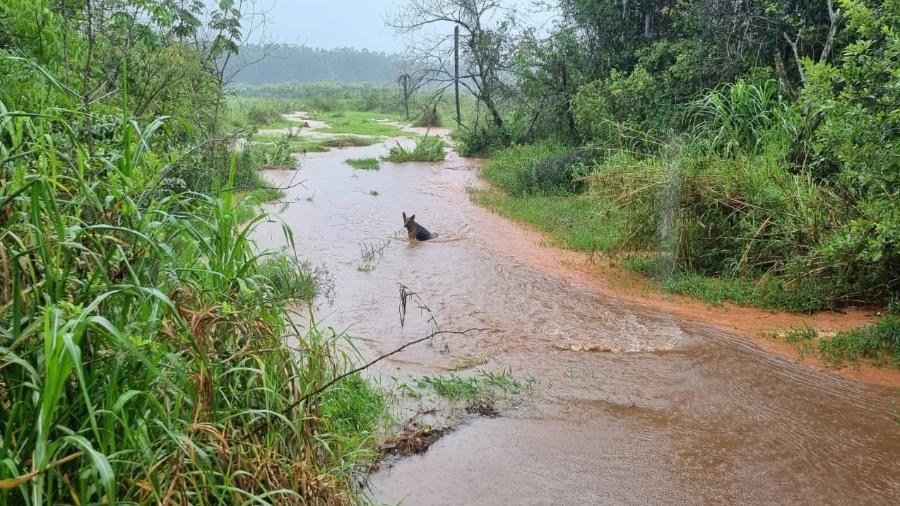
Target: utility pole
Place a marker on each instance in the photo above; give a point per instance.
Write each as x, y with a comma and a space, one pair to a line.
404, 84
456, 73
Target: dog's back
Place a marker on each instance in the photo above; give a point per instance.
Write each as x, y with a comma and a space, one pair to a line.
415, 231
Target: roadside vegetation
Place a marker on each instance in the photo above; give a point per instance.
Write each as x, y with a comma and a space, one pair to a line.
143, 354
877, 343
630, 131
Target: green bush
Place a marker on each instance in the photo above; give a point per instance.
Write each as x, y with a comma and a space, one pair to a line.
544, 168
744, 117
624, 110
480, 141
749, 216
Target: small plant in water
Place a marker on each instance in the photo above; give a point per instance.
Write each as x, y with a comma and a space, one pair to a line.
371, 253
363, 163
483, 388
428, 149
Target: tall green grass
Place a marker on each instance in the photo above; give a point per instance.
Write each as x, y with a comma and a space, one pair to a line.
744, 117
143, 354
429, 148
737, 227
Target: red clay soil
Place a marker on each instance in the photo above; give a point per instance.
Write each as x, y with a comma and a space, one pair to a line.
532, 248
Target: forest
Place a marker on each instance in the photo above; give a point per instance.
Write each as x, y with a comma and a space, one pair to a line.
257, 64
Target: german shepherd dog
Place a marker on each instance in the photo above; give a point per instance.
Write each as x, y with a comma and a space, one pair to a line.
415, 231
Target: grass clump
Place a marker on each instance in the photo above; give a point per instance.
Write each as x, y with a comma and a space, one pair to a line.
485, 386
364, 163
879, 343
428, 148
248, 113
264, 155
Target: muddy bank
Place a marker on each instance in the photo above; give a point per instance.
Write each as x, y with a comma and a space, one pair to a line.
532, 248
675, 412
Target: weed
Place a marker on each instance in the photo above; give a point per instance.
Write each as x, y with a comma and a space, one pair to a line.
143, 334
364, 163
485, 386
879, 342
370, 254
801, 335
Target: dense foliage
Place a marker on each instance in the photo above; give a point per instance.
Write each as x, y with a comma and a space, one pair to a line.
752, 141
257, 65
142, 334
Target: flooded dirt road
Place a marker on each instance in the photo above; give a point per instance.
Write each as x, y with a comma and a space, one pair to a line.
673, 413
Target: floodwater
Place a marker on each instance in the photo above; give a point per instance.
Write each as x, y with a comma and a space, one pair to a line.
674, 413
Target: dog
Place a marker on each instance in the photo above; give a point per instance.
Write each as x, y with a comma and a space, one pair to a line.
415, 231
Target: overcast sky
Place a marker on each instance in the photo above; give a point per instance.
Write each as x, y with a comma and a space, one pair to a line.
347, 23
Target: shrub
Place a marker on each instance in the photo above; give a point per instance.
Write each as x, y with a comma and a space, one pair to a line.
544, 168
480, 141
743, 117
750, 217
623, 110
429, 118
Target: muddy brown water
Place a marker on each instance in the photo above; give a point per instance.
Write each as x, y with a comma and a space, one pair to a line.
677, 413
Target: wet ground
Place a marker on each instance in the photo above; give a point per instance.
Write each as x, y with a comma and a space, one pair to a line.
674, 413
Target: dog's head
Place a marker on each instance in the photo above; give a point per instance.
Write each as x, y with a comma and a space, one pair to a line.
409, 221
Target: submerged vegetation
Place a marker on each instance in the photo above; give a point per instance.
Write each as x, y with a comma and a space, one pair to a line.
363, 163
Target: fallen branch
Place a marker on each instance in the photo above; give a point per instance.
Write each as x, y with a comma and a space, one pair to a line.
318, 391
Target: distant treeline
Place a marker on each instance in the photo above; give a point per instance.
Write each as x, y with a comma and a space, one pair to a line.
258, 64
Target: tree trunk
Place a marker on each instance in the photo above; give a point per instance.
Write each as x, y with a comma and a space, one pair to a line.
835, 19
568, 102
489, 103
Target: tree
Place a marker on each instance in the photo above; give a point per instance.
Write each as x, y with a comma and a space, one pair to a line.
548, 77
486, 40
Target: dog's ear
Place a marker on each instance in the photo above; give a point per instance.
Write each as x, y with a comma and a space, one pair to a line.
404, 217
412, 218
